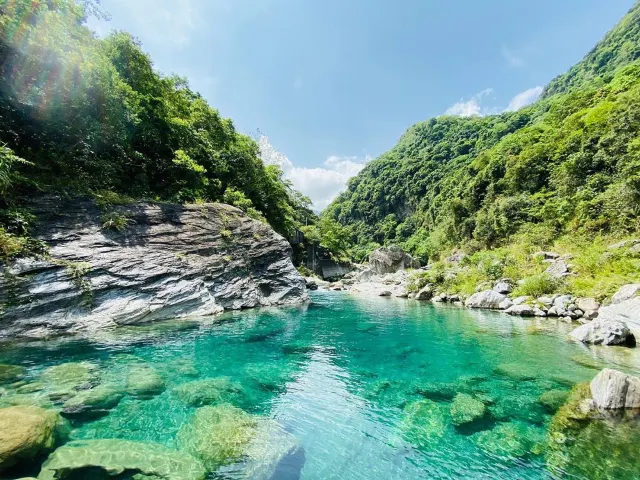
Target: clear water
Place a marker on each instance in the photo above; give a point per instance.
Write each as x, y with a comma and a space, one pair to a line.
341, 375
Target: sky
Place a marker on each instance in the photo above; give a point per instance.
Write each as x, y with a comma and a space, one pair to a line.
332, 84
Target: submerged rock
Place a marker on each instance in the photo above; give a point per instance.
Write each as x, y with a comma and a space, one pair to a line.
11, 373
64, 380
516, 371
552, 400
95, 401
465, 409
611, 389
511, 440
209, 391
217, 435
26, 432
424, 423
144, 382
170, 261
115, 458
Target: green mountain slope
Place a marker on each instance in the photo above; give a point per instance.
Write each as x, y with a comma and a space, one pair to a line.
569, 163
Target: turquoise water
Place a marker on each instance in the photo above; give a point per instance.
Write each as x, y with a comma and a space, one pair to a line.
365, 385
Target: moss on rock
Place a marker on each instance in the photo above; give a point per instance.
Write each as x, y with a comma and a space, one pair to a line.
465, 410
552, 400
144, 382
424, 423
209, 391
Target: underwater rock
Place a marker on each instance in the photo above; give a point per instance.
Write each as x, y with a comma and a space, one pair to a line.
28, 431
552, 400
612, 390
515, 371
171, 261
64, 380
217, 435
209, 391
116, 458
144, 382
437, 390
11, 373
94, 401
583, 444
511, 440
424, 423
465, 409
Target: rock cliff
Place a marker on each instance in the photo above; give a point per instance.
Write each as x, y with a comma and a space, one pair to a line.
141, 263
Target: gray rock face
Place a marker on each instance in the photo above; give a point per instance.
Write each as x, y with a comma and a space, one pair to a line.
558, 269
503, 287
522, 310
603, 332
486, 299
169, 261
587, 304
626, 292
612, 389
425, 294
627, 311
391, 259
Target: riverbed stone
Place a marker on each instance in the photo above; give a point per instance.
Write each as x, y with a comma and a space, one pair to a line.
217, 435
604, 332
113, 458
424, 423
552, 400
486, 299
93, 402
516, 371
144, 382
11, 373
28, 431
611, 390
503, 286
465, 410
425, 293
510, 440
209, 391
522, 310
64, 380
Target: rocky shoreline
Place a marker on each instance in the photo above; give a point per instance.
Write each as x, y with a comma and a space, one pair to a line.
390, 273
140, 263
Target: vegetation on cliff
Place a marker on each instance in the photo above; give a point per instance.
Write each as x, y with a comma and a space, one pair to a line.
569, 165
89, 116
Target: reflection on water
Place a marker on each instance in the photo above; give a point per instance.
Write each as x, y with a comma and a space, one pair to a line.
361, 388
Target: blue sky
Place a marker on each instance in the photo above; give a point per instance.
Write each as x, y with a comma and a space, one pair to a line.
334, 83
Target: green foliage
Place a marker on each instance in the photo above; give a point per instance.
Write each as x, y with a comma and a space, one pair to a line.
537, 285
330, 235
567, 165
82, 115
115, 221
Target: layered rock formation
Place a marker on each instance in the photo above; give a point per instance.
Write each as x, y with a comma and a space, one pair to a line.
143, 262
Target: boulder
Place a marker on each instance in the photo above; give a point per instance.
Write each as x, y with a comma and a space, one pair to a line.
604, 332
627, 311
611, 390
486, 299
425, 294
171, 261
93, 402
209, 391
558, 269
522, 310
64, 380
217, 435
27, 432
626, 292
385, 293
521, 300
390, 260
120, 459
423, 423
144, 382
587, 304
506, 304
465, 410
552, 400
503, 286
510, 440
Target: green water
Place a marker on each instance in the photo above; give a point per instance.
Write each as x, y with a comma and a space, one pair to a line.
344, 375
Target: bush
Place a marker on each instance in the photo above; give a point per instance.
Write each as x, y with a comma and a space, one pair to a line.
537, 285
115, 221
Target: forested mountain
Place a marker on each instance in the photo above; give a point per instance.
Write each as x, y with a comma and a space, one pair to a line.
568, 164
81, 115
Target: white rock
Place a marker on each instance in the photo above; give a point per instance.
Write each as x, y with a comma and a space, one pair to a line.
486, 299
587, 304
612, 389
521, 300
603, 332
523, 310
626, 293
539, 313
505, 304
503, 287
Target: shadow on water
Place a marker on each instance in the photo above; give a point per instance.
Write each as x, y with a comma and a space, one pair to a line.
290, 467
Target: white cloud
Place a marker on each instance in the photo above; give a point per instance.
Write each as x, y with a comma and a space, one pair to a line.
321, 184
163, 22
524, 98
512, 58
471, 107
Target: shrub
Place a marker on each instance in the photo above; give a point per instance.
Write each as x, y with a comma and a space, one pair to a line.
115, 221
537, 285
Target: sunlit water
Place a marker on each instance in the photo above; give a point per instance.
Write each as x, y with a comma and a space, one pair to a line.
341, 375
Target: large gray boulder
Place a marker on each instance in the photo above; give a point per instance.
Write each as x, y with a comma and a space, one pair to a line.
486, 299
612, 389
166, 261
390, 260
627, 292
604, 332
